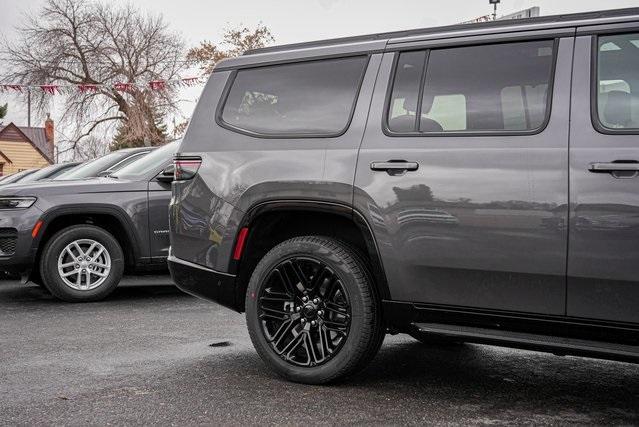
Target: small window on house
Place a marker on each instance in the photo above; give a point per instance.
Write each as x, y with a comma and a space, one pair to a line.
307, 98
618, 82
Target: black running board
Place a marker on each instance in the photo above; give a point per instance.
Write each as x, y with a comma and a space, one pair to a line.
557, 345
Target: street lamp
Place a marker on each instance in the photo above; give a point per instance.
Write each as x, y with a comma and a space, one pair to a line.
494, 3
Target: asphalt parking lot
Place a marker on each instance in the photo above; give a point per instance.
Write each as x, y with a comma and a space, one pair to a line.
145, 356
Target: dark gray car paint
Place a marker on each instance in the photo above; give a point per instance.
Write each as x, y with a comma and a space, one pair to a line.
503, 190
466, 253
140, 206
239, 171
603, 261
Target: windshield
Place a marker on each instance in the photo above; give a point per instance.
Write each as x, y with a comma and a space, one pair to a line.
48, 172
94, 167
151, 163
17, 176
127, 161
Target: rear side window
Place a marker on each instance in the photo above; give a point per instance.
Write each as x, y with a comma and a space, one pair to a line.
313, 98
402, 115
618, 82
476, 89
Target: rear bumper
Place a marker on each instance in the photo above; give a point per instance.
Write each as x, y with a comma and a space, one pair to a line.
203, 282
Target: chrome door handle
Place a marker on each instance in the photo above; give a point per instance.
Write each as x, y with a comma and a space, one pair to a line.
601, 167
394, 166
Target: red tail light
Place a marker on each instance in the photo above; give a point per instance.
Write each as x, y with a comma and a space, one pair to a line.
239, 244
186, 167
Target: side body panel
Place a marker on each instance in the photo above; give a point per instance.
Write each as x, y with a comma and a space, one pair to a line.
492, 232
603, 263
158, 215
239, 171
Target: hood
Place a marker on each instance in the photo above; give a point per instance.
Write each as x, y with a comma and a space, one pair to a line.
80, 186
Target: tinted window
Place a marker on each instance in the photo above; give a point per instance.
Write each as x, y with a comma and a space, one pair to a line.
618, 81
151, 163
94, 167
46, 173
127, 161
501, 87
311, 98
402, 115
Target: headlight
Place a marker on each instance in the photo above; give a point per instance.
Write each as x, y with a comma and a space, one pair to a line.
16, 202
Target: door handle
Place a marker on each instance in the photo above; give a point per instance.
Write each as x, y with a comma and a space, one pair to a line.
601, 167
394, 166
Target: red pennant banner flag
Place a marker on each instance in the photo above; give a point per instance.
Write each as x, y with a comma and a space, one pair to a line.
157, 84
85, 88
123, 87
17, 88
50, 89
190, 81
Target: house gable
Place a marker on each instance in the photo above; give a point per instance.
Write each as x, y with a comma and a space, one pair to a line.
12, 133
4, 158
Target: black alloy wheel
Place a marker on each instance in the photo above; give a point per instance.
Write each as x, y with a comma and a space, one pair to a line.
312, 310
304, 311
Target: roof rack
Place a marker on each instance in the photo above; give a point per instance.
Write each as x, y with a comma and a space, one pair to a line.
584, 16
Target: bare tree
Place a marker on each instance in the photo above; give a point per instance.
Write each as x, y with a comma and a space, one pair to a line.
235, 41
90, 148
83, 42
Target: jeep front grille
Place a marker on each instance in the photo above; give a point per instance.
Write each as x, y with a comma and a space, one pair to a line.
8, 239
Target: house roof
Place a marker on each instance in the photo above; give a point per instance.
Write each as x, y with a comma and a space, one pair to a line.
34, 135
4, 157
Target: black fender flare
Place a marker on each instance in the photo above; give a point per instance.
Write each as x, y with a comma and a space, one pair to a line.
322, 206
91, 209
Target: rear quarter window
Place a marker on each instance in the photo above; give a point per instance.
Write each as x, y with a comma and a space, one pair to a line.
314, 98
616, 107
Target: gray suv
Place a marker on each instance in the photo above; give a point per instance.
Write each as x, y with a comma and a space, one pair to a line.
474, 183
76, 237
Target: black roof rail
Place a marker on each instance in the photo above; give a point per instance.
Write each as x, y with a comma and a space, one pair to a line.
583, 16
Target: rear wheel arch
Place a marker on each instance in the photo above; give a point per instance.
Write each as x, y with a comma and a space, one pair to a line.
272, 223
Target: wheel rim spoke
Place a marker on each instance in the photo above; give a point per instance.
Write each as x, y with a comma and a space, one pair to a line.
284, 279
304, 311
78, 248
281, 333
84, 264
299, 275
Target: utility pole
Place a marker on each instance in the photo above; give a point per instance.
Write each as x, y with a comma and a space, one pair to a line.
494, 3
29, 107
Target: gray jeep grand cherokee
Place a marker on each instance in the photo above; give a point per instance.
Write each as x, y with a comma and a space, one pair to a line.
474, 183
76, 237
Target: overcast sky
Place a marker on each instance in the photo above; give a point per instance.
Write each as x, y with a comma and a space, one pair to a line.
302, 20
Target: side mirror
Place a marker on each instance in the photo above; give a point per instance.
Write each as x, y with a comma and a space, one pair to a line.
167, 175
105, 173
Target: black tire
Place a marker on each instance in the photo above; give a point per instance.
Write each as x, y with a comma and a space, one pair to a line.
365, 330
52, 279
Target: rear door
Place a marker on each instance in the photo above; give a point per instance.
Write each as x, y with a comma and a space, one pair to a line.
463, 172
603, 264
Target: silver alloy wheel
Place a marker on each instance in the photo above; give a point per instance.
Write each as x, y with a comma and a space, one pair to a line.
84, 264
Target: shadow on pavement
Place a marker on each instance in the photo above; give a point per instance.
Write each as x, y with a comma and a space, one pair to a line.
138, 288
